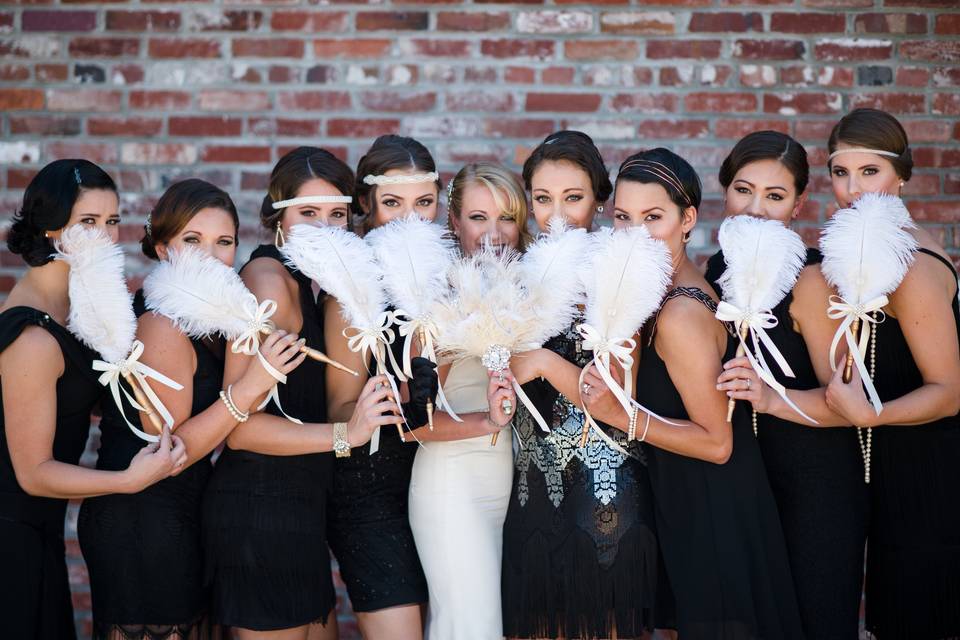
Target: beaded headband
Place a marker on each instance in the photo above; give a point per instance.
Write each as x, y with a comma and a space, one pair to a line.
879, 152
661, 171
292, 202
414, 178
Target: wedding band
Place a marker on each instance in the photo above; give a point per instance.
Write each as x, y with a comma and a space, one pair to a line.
749, 382
507, 407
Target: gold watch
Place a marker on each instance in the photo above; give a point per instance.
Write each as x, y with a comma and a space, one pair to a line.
341, 446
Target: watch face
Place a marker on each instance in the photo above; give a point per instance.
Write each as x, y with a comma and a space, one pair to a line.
341, 447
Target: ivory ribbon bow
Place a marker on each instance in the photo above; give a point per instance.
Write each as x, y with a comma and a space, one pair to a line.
376, 340
248, 343
840, 308
758, 322
111, 374
409, 329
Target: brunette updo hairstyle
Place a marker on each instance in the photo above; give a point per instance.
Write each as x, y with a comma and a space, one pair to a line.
575, 147
177, 206
875, 129
296, 168
47, 203
767, 145
386, 153
662, 166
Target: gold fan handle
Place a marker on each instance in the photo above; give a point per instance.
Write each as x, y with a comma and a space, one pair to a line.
731, 403
423, 340
320, 356
848, 367
144, 402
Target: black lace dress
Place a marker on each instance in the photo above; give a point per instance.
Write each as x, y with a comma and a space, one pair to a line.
265, 517
817, 480
723, 547
143, 550
913, 556
33, 580
580, 555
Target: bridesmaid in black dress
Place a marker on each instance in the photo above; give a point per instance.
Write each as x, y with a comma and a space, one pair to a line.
816, 478
723, 547
369, 526
913, 554
49, 387
129, 541
265, 509
580, 556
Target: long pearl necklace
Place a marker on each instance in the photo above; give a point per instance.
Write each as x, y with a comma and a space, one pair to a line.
866, 442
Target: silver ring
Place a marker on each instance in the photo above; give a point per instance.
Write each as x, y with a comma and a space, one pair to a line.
749, 382
586, 389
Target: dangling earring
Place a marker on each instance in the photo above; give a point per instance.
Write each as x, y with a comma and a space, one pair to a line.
278, 236
600, 209
900, 192
686, 238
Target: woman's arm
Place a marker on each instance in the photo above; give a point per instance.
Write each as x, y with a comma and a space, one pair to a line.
446, 429
342, 387
29, 370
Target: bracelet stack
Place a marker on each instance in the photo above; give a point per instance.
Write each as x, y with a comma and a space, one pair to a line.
632, 426
227, 398
646, 427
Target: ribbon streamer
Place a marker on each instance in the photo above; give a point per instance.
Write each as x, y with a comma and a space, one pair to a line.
408, 329
841, 309
757, 323
113, 372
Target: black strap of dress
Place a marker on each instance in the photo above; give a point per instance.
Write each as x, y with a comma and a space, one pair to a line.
940, 258
697, 294
15, 319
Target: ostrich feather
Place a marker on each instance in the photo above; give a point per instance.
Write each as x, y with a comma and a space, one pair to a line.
764, 259
867, 249
628, 276
101, 307
202, 295
343, 265
551, 272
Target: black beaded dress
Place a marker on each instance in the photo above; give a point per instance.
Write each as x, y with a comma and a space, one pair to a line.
580, 556
265, 517
36, 599
817, 480
143, 551
723, 547
913, 554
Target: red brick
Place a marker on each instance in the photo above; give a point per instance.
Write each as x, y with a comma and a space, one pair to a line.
223, 100
684, 128
361, 128
519, 75
159, 99
838, 4
392, 20
83, 100
555, 22
488, 74
225, 20
6, 21
396, 101
789, 104
127, 74
698, 49
249, 153
931, 50
814, 130
720, 102
951, 183
725, 21
439, 48
313, 100
922, 185
934, 210
31, 46
143, 20
736, 129
856, 49
44, 125
267, 48
43, 20
11, 99
752, 75
483, 101
350, 48
282, 75
768, 49
473, 21
309, 21
645, 102
94, 152
948, 24
890, 23
183, 48
567, 102
557, 75
601, 49
947, 104
284, 127
200, 126
157, 153
892, 102
12, 72
518, 128
945, 4
638, 22
793, 22
913, 76
121, 126
947, 77
51, 72
104, 47
518, 48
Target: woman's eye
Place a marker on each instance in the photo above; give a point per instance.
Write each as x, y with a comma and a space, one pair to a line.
309, 213
226, 243
508, 219
88, 221
776, 197
574, 198
621, 216
542, 199
192, 240
338, 214
478, 217
839, 172
426, 202
653, 217
870, 172
742, 190
390, 203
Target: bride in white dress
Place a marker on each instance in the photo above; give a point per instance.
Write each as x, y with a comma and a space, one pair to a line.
460, 485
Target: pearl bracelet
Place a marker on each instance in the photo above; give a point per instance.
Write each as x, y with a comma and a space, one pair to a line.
227, 398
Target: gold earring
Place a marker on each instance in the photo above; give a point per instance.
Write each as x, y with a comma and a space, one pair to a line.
278, 238
46, 234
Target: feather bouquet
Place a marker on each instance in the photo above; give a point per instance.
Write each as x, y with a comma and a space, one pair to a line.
867, 250
204, 297
764, 259
627, 278
101, 316
414, 256
345, 266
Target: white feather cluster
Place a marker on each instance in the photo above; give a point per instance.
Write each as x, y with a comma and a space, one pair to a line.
867, 249
200, 294
101, 307
343, 265
628, 275
764, 259
414, 256
551, 274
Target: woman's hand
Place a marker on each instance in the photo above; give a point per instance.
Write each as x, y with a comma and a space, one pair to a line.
849, 399
597, 397
156, 461
500, 389
374, 409
740, 381
282, 351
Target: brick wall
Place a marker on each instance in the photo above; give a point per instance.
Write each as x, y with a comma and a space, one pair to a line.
156, 91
